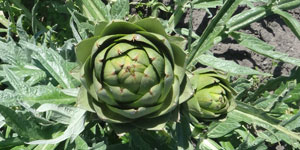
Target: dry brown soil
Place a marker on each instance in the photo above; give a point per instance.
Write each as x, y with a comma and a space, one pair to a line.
272, 30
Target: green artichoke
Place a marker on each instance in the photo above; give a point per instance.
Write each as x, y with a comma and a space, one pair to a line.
131, 73
213, 95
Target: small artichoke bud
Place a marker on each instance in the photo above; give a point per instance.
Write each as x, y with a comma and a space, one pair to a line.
213, 95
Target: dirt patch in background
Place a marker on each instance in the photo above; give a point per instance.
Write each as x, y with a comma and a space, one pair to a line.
272, 30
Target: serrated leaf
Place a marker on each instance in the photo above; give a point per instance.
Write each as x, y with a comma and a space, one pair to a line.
20, 30
21, 125
292, 122
80, 31
251, 115
294, 95
208, 144
119, 9
75, 127
273, 84
276, 136
29, 72
9, 98
94, 10
73, 28
227, 145
12, 54
268, 102
53, 62
223, 128
47, 94
246, 135
37, 94
227, 66
59, 113
16, 82
251, 142
263, 48
293, 142
32, 74
67, 50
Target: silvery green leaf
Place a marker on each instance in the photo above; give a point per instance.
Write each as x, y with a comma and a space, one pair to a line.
209, 144
75, 127
59, 113
53, 62
119, 9
227, 66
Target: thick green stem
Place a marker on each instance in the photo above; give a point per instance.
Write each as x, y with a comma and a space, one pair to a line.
289, 5
246, 18
257, 13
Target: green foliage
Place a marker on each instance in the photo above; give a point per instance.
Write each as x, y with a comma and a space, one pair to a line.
40, 75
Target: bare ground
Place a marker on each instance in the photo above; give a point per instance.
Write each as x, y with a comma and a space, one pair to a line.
272, 30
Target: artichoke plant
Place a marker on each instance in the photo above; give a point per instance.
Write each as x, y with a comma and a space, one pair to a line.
131, 73
213, 95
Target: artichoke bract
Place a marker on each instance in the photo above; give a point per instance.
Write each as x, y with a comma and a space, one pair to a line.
131, 73
213, 95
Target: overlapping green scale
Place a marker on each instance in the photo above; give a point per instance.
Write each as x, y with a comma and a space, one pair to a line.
213, 95
129, 74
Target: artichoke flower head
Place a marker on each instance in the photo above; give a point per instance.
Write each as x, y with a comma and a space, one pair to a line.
131, 73
213, 95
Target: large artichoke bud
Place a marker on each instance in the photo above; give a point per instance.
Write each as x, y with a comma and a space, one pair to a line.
213, 95
131, 73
